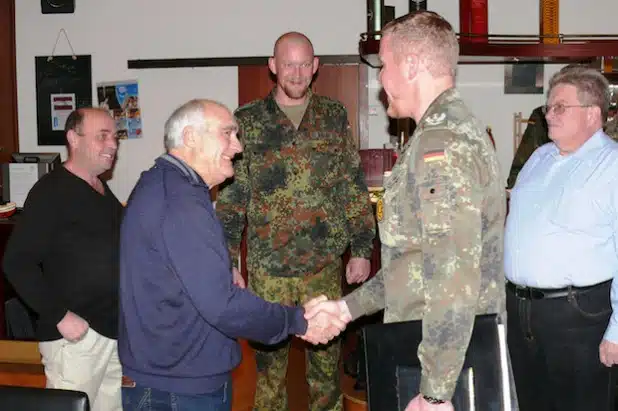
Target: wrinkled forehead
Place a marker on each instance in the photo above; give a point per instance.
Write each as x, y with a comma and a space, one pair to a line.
223, 119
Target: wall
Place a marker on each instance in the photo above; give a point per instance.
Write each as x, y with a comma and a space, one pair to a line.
115, 31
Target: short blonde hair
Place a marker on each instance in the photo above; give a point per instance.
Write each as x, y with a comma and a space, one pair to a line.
427, 35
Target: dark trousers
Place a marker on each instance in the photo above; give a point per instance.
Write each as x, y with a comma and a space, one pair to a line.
554, 348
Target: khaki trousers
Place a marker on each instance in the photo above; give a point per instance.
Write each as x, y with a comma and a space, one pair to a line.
90, 365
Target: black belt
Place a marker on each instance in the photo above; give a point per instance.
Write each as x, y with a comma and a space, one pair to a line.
530, 293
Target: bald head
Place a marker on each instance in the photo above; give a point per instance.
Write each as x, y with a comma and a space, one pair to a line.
295, 40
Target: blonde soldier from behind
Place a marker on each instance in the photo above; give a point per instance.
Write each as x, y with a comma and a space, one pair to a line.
444, 210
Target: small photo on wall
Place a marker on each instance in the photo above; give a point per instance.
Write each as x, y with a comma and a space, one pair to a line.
121, 99
523, 78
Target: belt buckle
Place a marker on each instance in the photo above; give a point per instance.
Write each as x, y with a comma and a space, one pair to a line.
527, 293
522, 292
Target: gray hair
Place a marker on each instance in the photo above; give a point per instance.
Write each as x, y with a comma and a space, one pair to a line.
192, 113
592, 86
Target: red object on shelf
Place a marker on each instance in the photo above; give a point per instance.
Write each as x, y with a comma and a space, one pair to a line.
375, 162
473, 20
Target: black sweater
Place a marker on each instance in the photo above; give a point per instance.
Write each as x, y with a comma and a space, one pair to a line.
63, 254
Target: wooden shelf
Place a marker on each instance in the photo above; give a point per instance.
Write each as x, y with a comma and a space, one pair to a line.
500, 49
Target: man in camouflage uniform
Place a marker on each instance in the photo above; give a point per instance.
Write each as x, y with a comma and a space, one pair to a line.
443, 210
300, 187
535, 136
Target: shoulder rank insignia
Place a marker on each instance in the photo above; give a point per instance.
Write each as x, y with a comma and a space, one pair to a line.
436, 119
435, 155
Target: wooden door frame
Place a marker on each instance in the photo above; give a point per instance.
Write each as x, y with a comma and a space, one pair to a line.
8, 82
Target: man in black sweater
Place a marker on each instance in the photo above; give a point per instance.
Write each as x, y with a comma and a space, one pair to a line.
62, 259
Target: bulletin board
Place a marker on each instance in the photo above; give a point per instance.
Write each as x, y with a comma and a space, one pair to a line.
63, 83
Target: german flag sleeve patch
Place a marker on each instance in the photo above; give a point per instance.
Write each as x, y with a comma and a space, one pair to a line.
434, 155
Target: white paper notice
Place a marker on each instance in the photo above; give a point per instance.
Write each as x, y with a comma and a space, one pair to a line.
61, 106
21, 179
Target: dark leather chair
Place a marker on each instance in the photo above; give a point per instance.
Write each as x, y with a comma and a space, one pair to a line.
42, 399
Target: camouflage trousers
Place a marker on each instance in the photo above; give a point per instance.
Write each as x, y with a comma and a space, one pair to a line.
322, 362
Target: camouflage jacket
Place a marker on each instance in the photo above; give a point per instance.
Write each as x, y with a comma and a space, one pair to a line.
535, 135
302, 192
441, 232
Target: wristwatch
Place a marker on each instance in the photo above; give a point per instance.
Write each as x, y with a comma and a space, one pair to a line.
433, 400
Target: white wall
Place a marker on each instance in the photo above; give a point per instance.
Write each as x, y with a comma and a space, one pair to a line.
114, 31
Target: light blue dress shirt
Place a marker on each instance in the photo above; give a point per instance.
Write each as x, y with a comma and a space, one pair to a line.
562, 224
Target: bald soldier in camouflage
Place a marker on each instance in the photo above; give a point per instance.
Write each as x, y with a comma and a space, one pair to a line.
300, 187
444, 210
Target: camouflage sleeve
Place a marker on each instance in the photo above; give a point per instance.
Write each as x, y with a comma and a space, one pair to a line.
368, 298
450, 195
232, 201
357, 203
534, 136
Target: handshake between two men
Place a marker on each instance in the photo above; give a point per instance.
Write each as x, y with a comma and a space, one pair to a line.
326, 319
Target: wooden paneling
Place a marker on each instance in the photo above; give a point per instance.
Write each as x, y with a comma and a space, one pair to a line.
23, 352
254, 82
20, 364
8, 82
341, 83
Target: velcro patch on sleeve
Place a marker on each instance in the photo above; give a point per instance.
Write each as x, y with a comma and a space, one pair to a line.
435, 155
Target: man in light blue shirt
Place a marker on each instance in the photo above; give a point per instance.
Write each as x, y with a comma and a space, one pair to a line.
561, 254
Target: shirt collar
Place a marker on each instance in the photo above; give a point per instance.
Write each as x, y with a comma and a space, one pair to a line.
597, 140
183, 167
272, 103
436, 106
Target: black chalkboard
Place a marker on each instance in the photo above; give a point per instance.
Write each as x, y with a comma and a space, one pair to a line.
60, 75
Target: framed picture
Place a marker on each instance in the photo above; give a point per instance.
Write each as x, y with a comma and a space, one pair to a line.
63, 83
523, 78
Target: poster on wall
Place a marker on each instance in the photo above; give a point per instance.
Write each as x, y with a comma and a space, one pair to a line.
523, 78
63, 83
61, 106
121, 98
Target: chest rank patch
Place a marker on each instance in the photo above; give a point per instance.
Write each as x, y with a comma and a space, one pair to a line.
380, 209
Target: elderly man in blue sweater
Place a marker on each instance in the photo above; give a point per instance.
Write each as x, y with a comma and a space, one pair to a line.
180, 313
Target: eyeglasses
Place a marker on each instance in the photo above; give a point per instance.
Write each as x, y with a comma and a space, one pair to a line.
560, 108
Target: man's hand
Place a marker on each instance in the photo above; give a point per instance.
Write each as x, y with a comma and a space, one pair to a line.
608, 353
326, 319
420, 404
357, 270
237, 278
72, 327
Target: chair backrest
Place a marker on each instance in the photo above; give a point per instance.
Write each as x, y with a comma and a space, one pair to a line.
42, 399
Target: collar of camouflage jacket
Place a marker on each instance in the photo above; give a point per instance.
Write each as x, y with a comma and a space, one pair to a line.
447, 96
